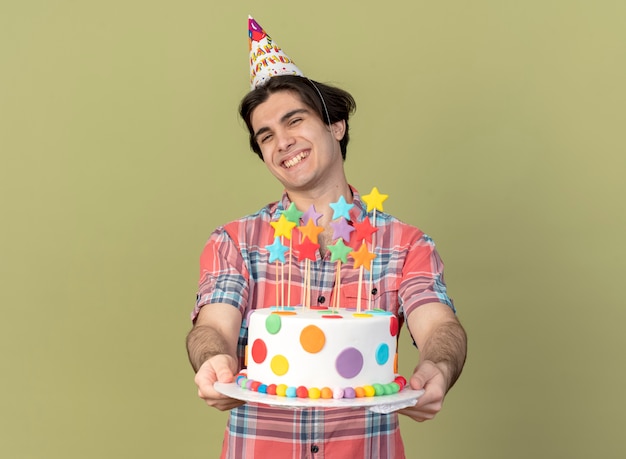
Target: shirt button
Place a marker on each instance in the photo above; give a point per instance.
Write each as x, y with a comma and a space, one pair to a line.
321, 299
315, 448
374, 291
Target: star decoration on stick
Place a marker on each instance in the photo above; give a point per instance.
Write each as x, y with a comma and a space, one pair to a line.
374, 200
311, 231
292, 214
364, 230
311, 214
341, 229
341, 208
307, 250
363, 257
283, 227
277, 251
339, 251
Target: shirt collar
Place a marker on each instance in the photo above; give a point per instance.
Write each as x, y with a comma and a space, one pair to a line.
358, 211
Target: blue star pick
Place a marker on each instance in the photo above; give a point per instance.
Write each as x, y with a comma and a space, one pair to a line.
341, 208
277, 250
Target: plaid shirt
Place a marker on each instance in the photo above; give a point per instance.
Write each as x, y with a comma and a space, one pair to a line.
234, 269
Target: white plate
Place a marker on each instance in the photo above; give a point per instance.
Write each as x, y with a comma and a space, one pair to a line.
379, 404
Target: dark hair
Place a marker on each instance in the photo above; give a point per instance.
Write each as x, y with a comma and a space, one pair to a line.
337, 104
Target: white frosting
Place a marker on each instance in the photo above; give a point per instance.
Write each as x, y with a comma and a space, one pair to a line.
370, 337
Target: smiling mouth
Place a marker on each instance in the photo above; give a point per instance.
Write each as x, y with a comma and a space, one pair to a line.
296, 159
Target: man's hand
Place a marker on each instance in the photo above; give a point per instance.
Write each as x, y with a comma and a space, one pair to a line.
430, 377
220, 368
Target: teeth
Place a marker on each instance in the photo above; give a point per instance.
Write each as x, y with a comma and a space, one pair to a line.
295, 160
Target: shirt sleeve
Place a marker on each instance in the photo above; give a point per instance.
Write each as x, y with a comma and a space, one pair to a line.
422, 277
224, 274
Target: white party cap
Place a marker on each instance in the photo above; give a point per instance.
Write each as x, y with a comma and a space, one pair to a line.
266, 58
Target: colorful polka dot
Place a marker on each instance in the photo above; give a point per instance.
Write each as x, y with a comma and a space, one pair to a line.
273, 323
279, 365
312, 339
393, 325
259, 351
382, 354
349, 363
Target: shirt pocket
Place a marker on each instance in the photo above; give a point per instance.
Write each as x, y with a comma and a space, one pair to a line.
385, 298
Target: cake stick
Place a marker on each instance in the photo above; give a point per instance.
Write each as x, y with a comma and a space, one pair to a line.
289, 282
307, 250
374, 200
308, 283
337, 287
371, 280
362, 259
276, 283
339, 253
358, 296
283, 227
277, 253
282, 285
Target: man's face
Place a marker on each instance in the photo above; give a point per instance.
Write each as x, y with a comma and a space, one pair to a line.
297, 147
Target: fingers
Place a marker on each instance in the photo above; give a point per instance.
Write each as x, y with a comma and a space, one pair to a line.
429, 377
218, 368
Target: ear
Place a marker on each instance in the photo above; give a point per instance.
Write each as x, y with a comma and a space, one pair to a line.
338, 129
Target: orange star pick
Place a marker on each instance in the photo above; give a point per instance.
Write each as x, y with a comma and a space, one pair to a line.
310, 230
363, 257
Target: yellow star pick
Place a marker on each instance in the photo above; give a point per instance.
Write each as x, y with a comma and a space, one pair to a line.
374, 200
282, 227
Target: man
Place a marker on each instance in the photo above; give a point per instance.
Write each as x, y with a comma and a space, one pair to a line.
300, 129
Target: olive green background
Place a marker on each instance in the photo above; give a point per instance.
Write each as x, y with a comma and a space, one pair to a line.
495, 126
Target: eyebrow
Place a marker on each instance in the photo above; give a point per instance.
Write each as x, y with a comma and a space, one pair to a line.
283, 119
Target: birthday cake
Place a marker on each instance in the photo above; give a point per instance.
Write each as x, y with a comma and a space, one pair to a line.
322, 353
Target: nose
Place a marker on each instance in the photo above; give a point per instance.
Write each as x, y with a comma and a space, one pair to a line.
285, 140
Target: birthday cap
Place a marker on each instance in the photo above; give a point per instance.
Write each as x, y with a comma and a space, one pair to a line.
266, 58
